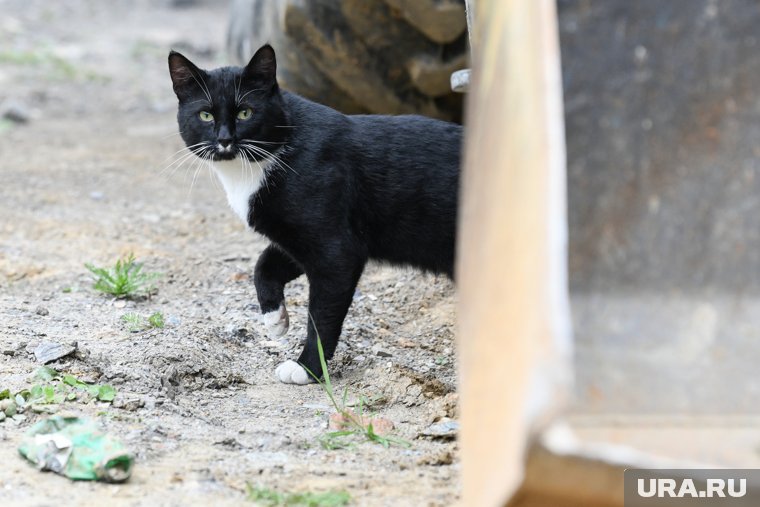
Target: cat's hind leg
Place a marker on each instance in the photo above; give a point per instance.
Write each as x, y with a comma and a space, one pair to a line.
273, 270
330, 294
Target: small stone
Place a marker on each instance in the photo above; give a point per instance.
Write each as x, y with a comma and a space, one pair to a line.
378, 350
47, 352
240, 277
438, 459
119, 303
2, 416
445, 428
97, 196
15, 112
230, 442
9, 352
129, 405
41, 310
10, 410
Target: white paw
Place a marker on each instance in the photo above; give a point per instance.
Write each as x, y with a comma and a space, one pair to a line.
291, 372
276, 322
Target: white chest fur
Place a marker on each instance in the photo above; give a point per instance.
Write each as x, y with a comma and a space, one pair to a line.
240, 180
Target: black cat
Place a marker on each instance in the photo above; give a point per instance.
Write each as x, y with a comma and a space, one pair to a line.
330, 191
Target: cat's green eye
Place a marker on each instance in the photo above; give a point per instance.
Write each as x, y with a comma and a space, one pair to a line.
206, 116
244, 114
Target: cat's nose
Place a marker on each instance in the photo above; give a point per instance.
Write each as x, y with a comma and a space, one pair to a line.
225, 143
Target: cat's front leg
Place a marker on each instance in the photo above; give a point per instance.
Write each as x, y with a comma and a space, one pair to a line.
330, 295
273, 270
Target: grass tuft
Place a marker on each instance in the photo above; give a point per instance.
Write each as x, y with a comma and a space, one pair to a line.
355, 423
271, 498
124, 280
136, 322
54, 387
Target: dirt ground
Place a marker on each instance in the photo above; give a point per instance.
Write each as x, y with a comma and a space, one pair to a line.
86, 177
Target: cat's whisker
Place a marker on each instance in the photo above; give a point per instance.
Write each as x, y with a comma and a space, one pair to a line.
202, 160
243, 166
183, 149
251, 174
248, 153
277, 158
263, 174
180, 165
182, 158
247, 168
212, 173
198, 152
204, 87
273, 157
238, 82
264, 142
255, 150
170, 169
248, 93
167, 136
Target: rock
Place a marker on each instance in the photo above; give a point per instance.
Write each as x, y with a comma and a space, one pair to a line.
41, 310
407, 344
129, 405
15, 112
4, 404
445, 428
10, 410
81, 353
439, 459
231, 443
237, 332
378, 350
9, 352
240, 277
47, 352
2, 416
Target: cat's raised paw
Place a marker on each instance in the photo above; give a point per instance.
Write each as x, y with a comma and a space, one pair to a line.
290, 372
276, 322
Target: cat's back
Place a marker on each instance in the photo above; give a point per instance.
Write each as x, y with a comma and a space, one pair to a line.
392, 180
373, 134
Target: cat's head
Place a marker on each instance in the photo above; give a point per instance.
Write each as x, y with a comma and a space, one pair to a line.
231, 111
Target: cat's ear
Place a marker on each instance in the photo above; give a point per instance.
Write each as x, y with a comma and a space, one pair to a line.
186, 77
262, 69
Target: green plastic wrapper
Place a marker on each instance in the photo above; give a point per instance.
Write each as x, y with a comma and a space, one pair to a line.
76, 448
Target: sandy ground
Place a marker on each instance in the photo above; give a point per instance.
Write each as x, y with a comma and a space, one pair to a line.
86, 179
